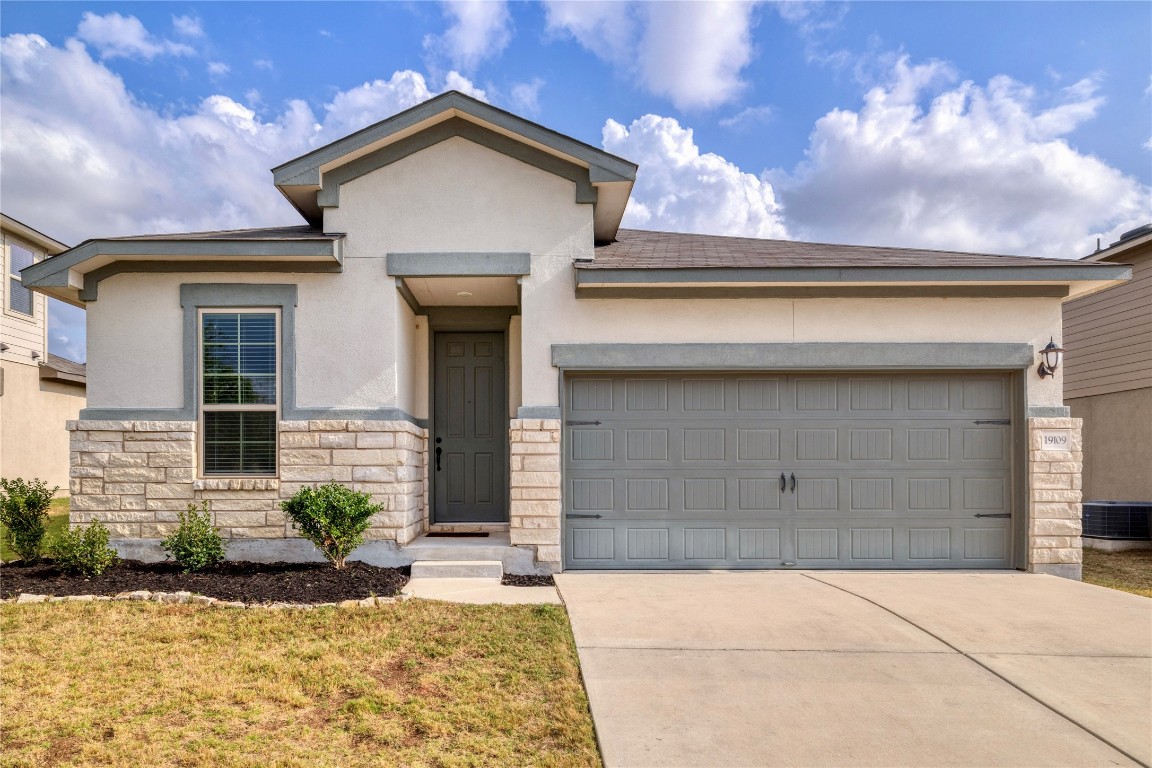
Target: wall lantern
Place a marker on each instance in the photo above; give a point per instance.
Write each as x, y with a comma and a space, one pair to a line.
1050, 358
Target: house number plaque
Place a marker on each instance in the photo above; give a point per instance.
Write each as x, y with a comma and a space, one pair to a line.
1056, 439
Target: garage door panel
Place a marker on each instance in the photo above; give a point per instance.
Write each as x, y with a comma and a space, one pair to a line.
684, 471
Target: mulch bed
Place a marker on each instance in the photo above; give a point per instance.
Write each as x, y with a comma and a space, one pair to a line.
235, 581
513, 580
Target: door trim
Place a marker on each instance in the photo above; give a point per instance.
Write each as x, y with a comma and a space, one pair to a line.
465, 320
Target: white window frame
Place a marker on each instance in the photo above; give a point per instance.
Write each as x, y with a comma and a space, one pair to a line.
203, 408
37, 256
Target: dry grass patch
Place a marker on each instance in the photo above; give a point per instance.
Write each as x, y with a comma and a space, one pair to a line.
1130, 571
413, 684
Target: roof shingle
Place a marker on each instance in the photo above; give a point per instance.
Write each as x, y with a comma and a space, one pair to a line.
640, 249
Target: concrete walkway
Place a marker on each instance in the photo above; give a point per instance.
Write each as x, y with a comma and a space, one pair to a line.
863, 669
480, 591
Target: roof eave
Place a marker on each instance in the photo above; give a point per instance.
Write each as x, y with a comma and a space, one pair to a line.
51, 373
1048, 280
50, 245
68, 276
305, 169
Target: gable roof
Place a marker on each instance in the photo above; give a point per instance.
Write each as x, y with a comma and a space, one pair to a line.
311, 182
643, 263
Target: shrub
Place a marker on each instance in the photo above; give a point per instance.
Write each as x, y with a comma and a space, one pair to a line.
24, 512
195, 544
83, 550
332, 517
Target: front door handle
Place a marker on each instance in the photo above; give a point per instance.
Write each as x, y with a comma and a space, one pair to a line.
783, 483
793, 483
439, 451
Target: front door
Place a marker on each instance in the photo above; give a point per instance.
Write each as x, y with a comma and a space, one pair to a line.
470, 429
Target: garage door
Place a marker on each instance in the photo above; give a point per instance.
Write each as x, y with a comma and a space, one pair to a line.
763, 471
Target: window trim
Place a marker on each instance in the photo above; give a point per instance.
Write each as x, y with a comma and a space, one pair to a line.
202, 407
37, 257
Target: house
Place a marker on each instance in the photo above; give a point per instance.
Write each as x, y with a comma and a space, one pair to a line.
462, 329
1108, 375
39, 391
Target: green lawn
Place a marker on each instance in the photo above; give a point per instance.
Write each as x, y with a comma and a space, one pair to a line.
411, 684
57, 521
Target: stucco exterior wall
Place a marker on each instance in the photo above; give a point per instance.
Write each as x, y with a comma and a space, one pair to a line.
1117, 445
355, 347
345, 338
555, 316
411, 361
459, 196
33, 415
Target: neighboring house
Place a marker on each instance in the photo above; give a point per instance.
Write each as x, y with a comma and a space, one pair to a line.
39, 392
1108, 375
462, 330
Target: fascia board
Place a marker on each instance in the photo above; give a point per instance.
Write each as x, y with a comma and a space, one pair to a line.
1075, 272
55, 272
306, 169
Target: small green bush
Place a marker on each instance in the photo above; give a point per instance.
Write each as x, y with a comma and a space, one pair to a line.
83, 550
195, 544
333, 517
24, 512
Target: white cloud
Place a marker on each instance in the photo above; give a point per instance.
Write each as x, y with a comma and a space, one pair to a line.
66, 330
187, 26
218, 69
265, 64
73, 132
479, 30
979, 168
680, 189
747, 119
692, 53
526, 96
454, 81
815, 24
116, 36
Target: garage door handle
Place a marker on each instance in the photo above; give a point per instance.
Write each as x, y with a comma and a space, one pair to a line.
997, 514
582, 517
783, 483
793, 483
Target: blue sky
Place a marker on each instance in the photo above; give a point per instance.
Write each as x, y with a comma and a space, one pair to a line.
985, 126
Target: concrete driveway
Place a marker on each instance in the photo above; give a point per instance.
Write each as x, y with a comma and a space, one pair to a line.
863, 669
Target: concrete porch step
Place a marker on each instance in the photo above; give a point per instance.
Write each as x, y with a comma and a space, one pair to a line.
457, 569
494, 546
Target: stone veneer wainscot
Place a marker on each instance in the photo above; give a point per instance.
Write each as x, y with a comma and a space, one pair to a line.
135, 476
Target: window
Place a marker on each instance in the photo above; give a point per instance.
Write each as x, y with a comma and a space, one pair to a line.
19, 297
239, 391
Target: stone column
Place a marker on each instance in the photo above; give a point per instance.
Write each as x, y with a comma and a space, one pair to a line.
1054, 482
534, 518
